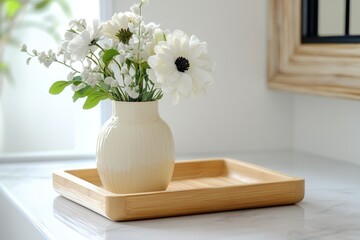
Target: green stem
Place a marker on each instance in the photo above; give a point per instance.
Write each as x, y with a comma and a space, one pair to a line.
91, 59
97, 59
67, 65
102, 49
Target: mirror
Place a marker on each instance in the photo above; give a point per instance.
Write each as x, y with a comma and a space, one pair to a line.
330, 21
319, 68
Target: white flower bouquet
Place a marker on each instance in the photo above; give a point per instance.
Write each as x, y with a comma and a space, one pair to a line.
126, 59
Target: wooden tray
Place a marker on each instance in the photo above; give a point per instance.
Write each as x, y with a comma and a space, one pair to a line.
197, 186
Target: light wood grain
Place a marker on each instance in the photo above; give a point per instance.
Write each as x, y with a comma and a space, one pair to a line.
324, 69
197, 186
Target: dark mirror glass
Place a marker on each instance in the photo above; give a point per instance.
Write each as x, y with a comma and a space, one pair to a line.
330, 21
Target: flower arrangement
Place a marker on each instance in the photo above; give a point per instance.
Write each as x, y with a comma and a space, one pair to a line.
126, 59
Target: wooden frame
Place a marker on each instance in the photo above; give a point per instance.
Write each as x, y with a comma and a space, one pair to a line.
325, 69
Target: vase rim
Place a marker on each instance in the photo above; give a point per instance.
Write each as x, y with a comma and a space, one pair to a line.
136, 111
134, 102
122, 103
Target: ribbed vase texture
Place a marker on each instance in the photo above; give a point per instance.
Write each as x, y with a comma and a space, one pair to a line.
135, 149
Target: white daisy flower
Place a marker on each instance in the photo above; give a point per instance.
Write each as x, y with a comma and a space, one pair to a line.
181, 66
118, 27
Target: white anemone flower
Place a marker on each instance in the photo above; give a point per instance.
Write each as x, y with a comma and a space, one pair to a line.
80, 45
119, 21
181, 66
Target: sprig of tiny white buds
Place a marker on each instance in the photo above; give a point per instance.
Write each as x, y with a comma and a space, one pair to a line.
45, 58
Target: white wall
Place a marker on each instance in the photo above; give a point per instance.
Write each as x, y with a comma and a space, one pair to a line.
239, 112
328, 127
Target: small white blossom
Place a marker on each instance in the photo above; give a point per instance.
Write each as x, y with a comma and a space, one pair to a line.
114, 84
70, 76
93, 78
127, 80
23, 48
131, 92
132, 72
78, 25
111, 82
85, 74
47, 63
42, 57
68, 37
124, 70
73, 87
116, 71
135, 9
80, 86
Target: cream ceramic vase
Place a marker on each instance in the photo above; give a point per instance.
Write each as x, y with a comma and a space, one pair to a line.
135, 149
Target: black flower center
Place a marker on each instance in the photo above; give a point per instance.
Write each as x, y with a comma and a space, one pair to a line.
182, 64
124, 35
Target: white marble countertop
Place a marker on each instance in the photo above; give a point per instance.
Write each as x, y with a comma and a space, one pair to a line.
330, 210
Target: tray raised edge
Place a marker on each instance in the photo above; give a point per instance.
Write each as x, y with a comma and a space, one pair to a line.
123, 207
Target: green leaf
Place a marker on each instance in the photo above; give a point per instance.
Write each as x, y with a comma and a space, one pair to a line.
94, 98
84, 92
77, 78
147, 96
3, 66
42, 4
109, 55
12, 7
104, 86
6, 72
59, 86
144, 65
